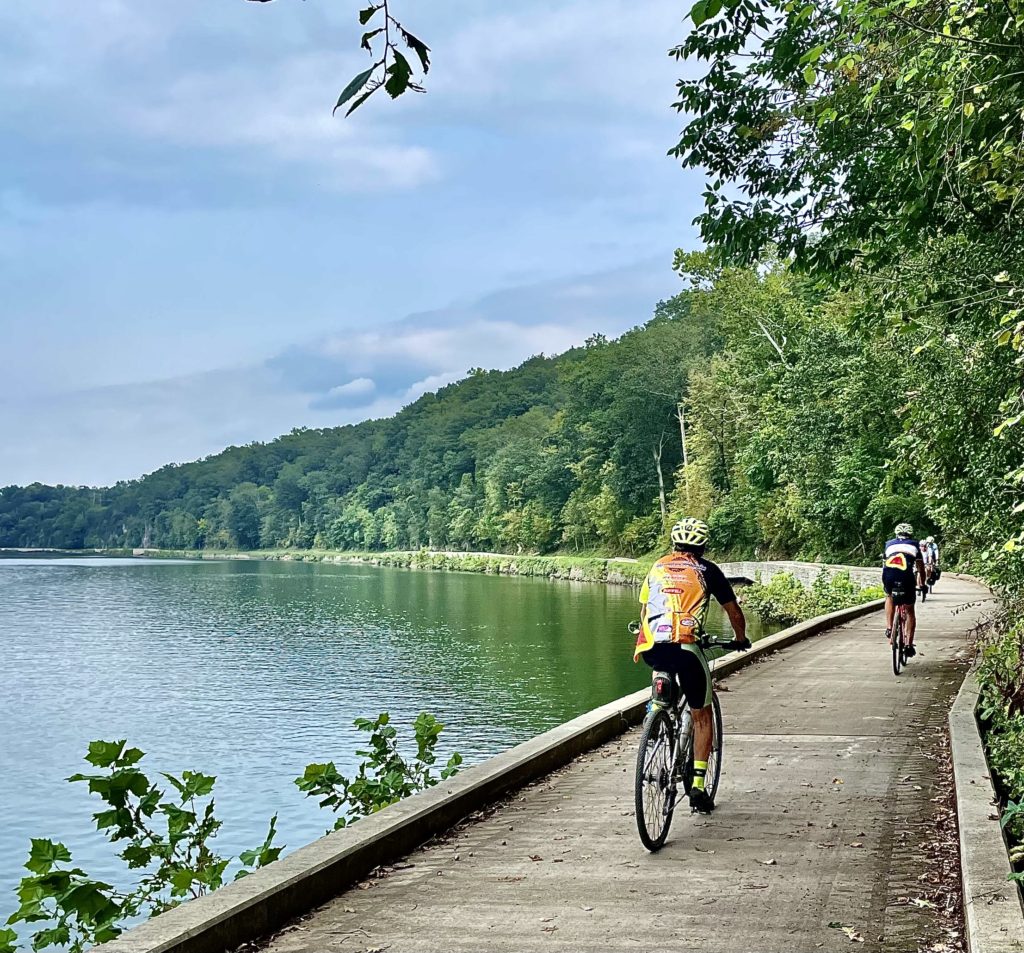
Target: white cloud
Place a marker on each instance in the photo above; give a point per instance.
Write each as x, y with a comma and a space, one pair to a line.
360, 387
101, 435
283, 114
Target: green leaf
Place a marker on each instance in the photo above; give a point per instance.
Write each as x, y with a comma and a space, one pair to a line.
812, 55
353, 87
181, 880
197, 784
399, 74
8, 941
698, 12
103, 754
810, 75
365, 42
44, 854
366, 15
421, 49
54, 936
90, 901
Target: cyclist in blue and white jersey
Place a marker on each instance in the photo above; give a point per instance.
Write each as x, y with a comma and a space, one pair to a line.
928, 555
902, 563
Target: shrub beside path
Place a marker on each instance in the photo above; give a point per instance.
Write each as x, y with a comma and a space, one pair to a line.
832, 826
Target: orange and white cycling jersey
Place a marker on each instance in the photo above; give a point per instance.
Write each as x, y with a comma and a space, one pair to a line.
676, 596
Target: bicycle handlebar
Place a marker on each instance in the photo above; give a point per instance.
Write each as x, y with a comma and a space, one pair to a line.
705, 641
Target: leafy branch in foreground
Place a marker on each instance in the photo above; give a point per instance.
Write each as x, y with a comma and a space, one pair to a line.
384, 776
391, 69
166, 837
785, 599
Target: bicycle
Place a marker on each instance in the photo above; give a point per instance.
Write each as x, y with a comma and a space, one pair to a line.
665, 756
899, 648
898, 635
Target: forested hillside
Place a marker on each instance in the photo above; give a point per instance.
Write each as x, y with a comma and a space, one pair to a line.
563, 451
801, 429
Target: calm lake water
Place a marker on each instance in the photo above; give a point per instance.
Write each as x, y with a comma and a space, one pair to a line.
250, 670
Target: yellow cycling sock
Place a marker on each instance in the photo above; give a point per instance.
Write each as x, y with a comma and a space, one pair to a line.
700, 768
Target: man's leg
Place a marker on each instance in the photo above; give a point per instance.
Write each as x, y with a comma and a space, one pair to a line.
703, 735
911, 623
890, 611
695, 678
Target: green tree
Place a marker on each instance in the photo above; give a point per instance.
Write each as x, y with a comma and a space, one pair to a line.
242, 519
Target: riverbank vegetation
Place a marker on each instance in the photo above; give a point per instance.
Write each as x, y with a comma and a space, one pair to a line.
783, 598
1001, 711
166, 835
576, 568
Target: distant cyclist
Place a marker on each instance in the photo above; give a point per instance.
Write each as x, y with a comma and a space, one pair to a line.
929, 552
934, 549
674, 603
902, 572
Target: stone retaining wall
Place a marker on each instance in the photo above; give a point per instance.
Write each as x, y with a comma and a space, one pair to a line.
806, 573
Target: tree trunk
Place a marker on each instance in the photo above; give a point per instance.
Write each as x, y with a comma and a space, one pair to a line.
656, 452
681, 413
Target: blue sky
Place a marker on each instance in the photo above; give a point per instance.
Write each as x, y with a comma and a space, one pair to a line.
193, 252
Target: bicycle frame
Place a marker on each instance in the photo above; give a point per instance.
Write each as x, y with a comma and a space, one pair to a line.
682, 722
682, 717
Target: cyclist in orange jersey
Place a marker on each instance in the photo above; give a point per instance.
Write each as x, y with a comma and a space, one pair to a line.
674, 604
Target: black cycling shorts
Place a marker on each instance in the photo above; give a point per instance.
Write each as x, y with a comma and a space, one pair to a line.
690, 668
900, 585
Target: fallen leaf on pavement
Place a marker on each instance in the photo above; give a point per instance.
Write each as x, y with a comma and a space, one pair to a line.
851, 934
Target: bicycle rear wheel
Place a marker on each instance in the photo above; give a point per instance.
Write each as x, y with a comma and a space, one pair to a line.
654, 789
897, 643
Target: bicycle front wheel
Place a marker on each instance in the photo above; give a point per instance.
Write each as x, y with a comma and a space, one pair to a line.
654, 788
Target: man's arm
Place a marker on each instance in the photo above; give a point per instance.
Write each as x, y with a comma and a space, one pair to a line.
737, 620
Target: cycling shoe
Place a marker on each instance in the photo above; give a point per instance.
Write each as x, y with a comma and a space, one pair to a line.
701, 802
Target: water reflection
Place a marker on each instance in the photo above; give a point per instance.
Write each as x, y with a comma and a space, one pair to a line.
250, 670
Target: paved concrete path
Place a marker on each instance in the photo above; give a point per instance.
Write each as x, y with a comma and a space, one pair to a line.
826, 796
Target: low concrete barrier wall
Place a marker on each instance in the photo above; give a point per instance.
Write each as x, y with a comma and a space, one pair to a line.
269, 898
992, 908
806, 573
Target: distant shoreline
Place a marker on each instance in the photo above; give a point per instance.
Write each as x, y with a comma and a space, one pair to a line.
622, 571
